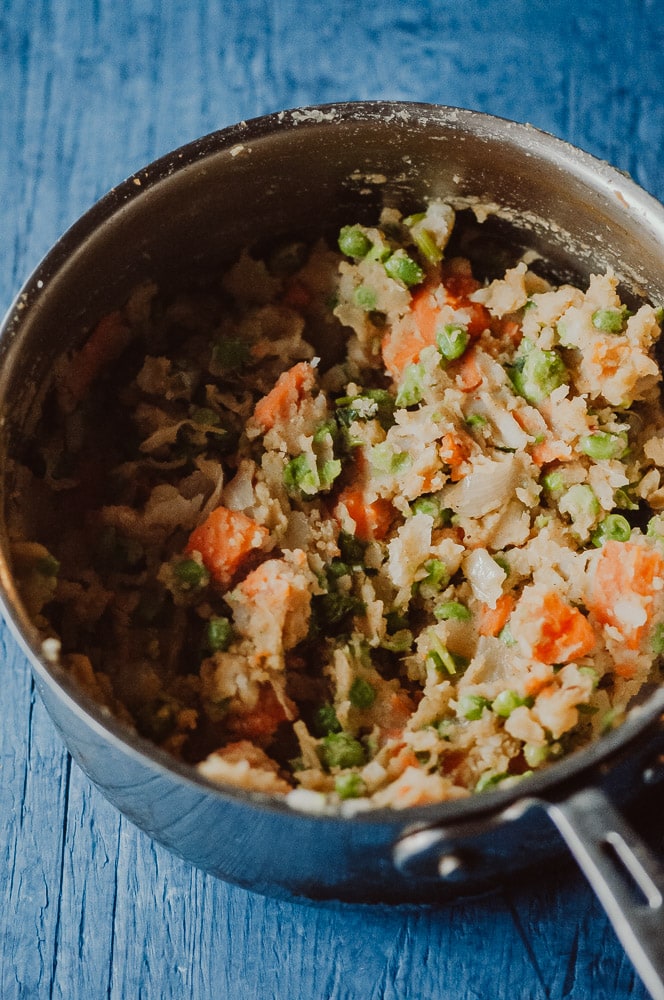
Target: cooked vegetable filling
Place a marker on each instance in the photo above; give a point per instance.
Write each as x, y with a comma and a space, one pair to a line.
426, 568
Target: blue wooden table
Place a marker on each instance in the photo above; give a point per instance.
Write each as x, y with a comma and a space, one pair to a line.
89, 92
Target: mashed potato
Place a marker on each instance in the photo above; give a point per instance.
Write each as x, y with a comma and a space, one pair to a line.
422, 567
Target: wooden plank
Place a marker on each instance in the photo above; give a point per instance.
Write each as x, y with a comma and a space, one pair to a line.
89, 93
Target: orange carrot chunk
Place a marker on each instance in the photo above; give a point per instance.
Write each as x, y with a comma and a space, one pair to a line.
401, 348
224, 541
372, 520
262, 721
626, 573
454, 450
492, 620
565, 633
291, 387
468, 374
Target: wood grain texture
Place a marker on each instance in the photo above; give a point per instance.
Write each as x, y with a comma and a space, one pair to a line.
89, 92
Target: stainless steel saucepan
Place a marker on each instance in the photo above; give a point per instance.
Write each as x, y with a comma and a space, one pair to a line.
302, 174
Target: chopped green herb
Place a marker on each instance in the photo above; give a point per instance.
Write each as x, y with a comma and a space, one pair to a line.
351, 549
426, 244
445, 728
384, 459
432, 505
623, 499
300, 477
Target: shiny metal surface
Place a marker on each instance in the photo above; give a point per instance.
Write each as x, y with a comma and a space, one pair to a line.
297, 174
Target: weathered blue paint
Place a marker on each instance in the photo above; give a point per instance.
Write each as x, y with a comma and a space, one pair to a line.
89, 93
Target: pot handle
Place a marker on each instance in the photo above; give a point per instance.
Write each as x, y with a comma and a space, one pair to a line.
626, 877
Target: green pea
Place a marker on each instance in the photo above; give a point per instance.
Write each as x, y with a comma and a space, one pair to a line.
535, 754
609, 320
411, 390
219, 634
505, 703
349, 786
471, 706
342, 750
602, 445
403, 268
325, 721
354, 242
362, 694
190, 573
452, 340
365, 297
614, 528
553, 482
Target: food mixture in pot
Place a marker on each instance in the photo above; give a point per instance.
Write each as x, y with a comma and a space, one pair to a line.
423, 566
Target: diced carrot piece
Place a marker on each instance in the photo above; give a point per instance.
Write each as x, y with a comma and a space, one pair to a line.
627, 571
492, 620
550, 451
454, 450
401, 349
457, 289
291, 387
261, 722
104, 345
224, 541
565, 633
372, 520
469, 377
625, 670
609, 355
